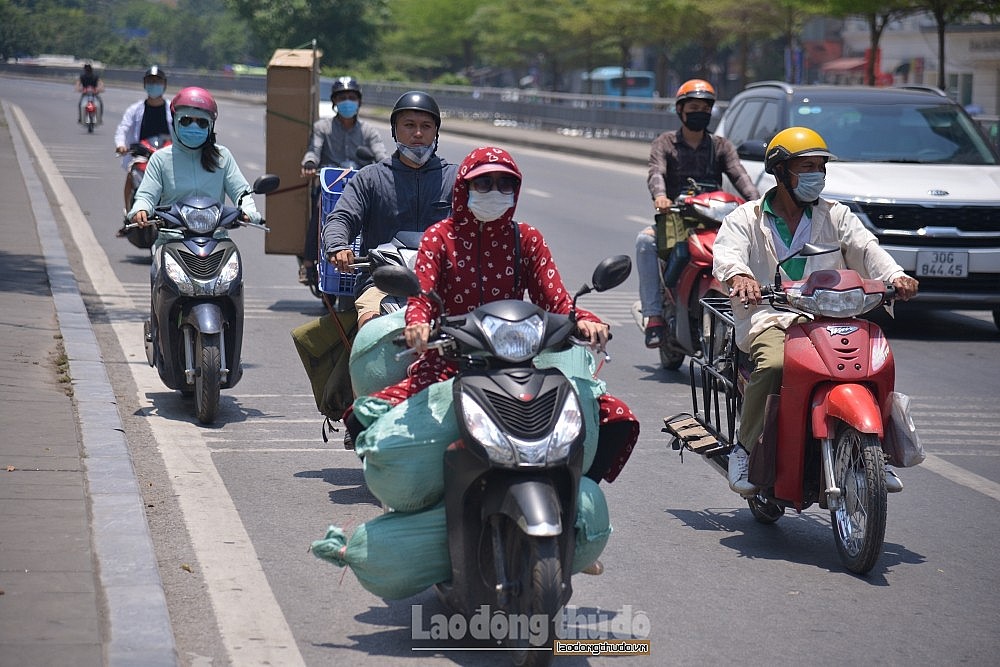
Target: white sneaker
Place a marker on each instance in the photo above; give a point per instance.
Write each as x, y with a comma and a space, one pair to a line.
739, 469
893, 484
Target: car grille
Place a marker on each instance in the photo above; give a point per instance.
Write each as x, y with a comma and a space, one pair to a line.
202, 267
909, 218
524, 419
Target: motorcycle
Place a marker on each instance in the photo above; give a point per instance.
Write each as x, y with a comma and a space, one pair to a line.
194, 336
511, 481
687, 276
824, 436
142, 237
90, 109
332, 181
401, 250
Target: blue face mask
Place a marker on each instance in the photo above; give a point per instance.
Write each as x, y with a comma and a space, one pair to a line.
347, 108
155, 89
191, 136
810, 186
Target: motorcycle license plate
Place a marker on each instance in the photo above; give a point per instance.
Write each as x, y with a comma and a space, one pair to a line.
943, 263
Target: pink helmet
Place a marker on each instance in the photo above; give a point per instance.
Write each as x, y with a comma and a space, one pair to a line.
196, 98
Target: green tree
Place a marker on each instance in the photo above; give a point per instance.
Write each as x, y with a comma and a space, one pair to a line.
345, 30
432, 36
17, 34
949, 12
878, 14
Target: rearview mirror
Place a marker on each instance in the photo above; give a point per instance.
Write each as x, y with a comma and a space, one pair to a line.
396, 280
266, 183
611, 272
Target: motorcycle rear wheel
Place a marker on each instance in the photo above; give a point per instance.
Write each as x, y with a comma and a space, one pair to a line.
860, 517
533, 564
208, 380
670, 358
90, 123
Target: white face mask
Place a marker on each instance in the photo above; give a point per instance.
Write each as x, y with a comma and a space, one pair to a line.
418, 155
488, 206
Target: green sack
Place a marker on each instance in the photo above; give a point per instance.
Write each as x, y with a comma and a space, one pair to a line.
374, 365
593, 525
670, 231
394, 555
400, 554
321, 347
403, 450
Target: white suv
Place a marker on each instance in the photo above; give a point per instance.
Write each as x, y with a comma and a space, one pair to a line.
910, 163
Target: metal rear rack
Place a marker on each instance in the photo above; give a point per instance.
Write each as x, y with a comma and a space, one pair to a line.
710, 429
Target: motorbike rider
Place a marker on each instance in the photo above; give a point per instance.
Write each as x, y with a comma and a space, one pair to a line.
408, 191
146, 118
485, 197
334, 143
752, 240
674, 157
89, 79
193, 164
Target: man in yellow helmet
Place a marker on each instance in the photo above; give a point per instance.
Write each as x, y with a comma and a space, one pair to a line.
750, 243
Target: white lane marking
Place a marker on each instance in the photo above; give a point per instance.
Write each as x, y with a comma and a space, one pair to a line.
253, 628
537, 193
962, 476
640, 220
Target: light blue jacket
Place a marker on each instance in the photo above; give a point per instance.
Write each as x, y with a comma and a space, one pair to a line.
175, 172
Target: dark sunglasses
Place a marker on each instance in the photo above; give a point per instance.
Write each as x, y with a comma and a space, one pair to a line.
505, 184
187, 120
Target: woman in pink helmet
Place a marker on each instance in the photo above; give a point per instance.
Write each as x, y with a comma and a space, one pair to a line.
193, 164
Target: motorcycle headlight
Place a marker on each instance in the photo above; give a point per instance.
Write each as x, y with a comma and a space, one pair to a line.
201, 220
568, 428
178, 275
514, 341
228, 274
486, 432
834, 303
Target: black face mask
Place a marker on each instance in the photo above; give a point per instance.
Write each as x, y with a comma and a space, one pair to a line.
697, 121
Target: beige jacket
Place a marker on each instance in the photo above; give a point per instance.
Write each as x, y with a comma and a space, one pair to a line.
744, 245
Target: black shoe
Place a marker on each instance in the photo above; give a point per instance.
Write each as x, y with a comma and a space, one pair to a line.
654, 335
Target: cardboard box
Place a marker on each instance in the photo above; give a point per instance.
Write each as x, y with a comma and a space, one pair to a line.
292, 103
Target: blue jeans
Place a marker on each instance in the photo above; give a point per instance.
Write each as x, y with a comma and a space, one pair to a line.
647, 265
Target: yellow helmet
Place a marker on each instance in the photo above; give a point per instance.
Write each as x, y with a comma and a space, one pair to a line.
794, 142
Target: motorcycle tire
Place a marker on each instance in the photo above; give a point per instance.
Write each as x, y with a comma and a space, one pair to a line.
670, 358
859, 517
90, 124
533, 564
208, 379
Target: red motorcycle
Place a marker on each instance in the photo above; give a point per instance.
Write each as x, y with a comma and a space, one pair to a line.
141, 237
837, 416
687, 275
90, 109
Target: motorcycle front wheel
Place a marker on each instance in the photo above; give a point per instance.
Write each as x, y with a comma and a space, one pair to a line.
208, 354
90, 123
533, 566
859, 517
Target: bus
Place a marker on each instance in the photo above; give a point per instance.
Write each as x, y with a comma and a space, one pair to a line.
608, 81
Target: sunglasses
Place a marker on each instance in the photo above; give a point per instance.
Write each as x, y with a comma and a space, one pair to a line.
187, 120
505, 184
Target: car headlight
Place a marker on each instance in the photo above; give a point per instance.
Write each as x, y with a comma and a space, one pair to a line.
201, 220
834, 303
178, 275
514, 341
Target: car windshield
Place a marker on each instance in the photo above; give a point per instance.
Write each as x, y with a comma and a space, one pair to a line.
911, 132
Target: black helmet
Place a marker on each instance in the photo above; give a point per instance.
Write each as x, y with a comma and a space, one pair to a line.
155, 71
415, 100
344, 83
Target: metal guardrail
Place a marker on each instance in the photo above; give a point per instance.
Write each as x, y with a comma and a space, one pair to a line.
632, 118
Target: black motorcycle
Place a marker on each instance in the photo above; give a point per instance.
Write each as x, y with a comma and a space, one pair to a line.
511, 482
194, 336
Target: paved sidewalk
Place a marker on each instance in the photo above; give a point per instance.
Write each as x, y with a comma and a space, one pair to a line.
78, 579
